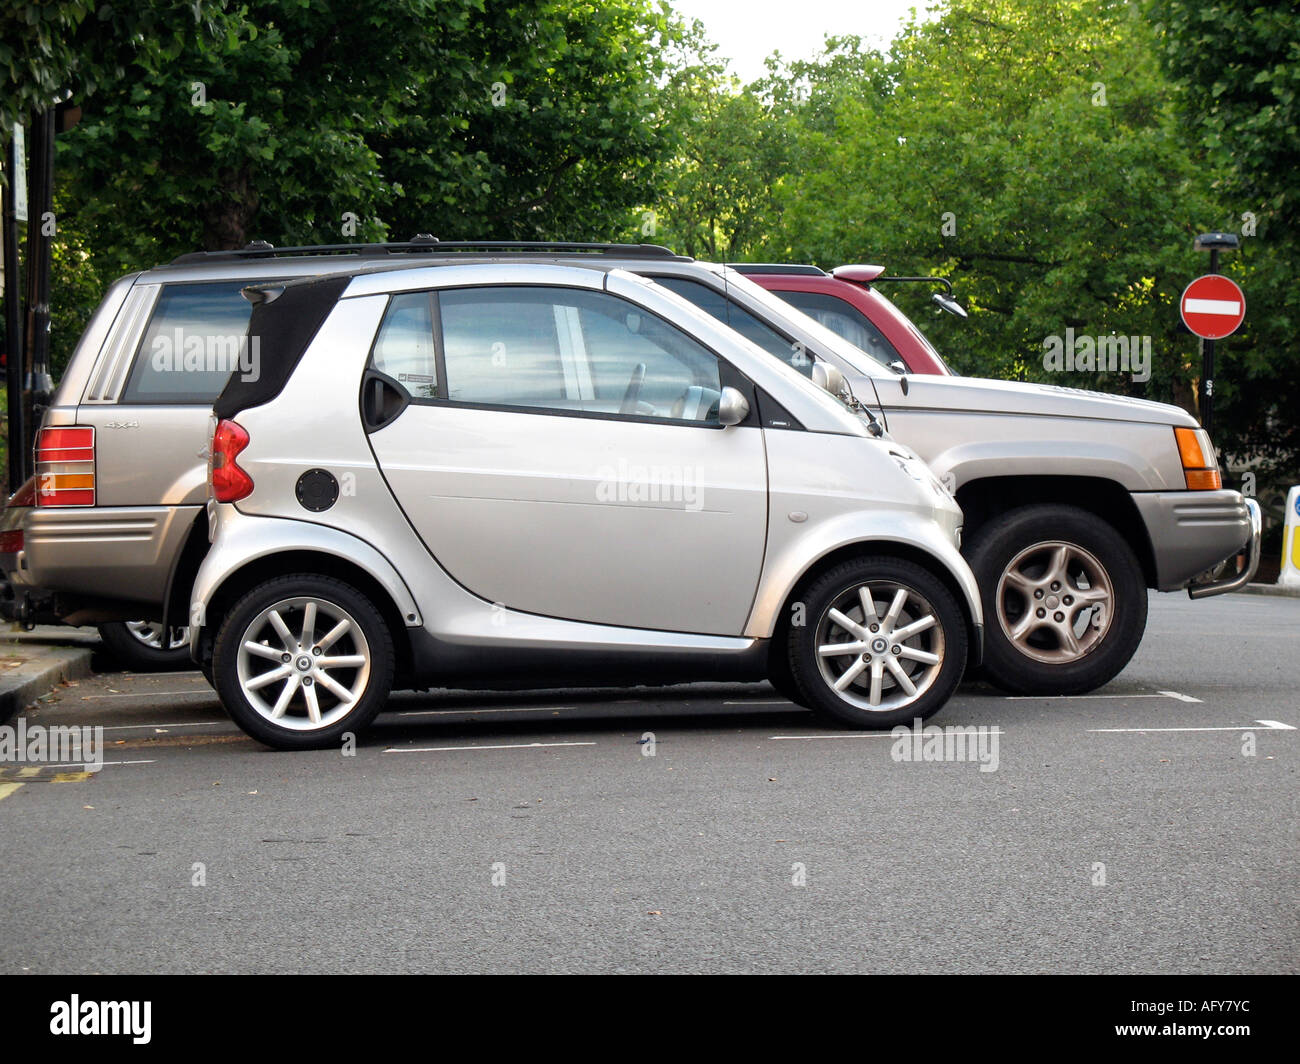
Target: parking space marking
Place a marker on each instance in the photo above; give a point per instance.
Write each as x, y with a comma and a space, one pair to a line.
86, 765
1268, 725
1079, 698
169, 724
149, 694
507, 746
6, 789
871, 735
476, 712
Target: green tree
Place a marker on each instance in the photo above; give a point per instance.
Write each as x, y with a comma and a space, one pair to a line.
1238, 71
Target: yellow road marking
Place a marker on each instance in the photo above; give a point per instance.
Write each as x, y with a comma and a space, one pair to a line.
31, 770
6, 789
71, 777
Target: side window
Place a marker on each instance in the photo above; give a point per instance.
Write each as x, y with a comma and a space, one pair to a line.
193, 343
572, 350
845, 319
404, 347
715, 304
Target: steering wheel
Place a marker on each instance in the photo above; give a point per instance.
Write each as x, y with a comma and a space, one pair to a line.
633, 390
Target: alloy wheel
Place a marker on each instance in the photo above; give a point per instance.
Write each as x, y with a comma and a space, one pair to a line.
303, 663
880, 646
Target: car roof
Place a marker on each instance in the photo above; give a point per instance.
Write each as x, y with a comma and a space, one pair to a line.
260, 260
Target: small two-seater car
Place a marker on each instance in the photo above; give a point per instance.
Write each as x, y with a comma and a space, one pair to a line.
465, 475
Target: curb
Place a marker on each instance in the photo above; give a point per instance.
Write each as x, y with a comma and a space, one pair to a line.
1270, 589
26, 683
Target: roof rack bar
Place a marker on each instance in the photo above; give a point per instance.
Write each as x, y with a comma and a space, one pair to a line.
428, 245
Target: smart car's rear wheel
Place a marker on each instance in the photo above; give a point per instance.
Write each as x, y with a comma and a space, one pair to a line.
885, 643
302, 660
1064, 600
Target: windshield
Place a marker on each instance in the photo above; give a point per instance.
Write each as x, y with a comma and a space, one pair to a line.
801, 323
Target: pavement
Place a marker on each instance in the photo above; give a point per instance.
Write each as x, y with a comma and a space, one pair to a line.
33, 664
1148, 827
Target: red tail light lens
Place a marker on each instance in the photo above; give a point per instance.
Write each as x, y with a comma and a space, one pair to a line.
229, 482
65, 467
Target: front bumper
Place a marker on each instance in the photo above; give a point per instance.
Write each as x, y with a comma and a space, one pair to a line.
1247, 562
1192, 532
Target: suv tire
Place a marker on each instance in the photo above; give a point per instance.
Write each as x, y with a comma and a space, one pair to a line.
1039, 569
336, 644
858, 603
138, 646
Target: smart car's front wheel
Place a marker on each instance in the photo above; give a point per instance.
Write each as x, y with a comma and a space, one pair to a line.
884, 643
302, 660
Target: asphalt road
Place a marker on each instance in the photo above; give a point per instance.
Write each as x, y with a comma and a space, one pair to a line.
531, 833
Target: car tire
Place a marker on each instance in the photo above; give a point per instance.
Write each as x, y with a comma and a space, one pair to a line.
138, 646
929, 660
1047, 573
324, 695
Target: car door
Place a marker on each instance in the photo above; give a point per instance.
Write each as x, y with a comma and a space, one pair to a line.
558, 452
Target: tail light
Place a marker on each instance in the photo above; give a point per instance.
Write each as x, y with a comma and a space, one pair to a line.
1200, 464
65, 467
229, 483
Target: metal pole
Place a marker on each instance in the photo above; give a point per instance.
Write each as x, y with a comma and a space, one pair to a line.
14, 346
1207, 367
37, 382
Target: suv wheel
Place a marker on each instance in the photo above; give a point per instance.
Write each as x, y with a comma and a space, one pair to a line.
301, 660
1064, 599
139, 645
885, 643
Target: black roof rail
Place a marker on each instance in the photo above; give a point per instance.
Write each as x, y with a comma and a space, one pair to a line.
423, 243
777, 267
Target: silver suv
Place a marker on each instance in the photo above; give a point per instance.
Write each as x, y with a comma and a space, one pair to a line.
530, 473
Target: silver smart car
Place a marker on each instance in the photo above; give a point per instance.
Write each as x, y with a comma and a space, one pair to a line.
526, 474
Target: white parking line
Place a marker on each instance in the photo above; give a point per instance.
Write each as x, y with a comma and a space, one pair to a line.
766, 702
475, 712
169, 724
151, 694
86, 766
441, 749
1268, 725
1158, 694
870, 735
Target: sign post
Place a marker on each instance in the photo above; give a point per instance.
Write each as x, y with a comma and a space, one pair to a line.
14, 211
1212, 307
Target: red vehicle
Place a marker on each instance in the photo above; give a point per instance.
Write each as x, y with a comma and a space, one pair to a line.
846, 302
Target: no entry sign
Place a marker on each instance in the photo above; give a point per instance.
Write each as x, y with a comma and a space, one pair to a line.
1213, 306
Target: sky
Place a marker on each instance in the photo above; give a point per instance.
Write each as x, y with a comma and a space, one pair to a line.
747, 31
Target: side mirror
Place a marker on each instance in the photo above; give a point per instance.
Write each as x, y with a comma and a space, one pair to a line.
733, 407
828, 378
949, 304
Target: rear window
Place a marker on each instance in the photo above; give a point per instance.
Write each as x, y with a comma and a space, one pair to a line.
193, 343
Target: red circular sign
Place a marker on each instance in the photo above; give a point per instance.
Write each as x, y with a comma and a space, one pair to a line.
1213, 306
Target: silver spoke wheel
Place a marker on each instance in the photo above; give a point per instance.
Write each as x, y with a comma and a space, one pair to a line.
1055, 602
303, 663
150, 634
880, 646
